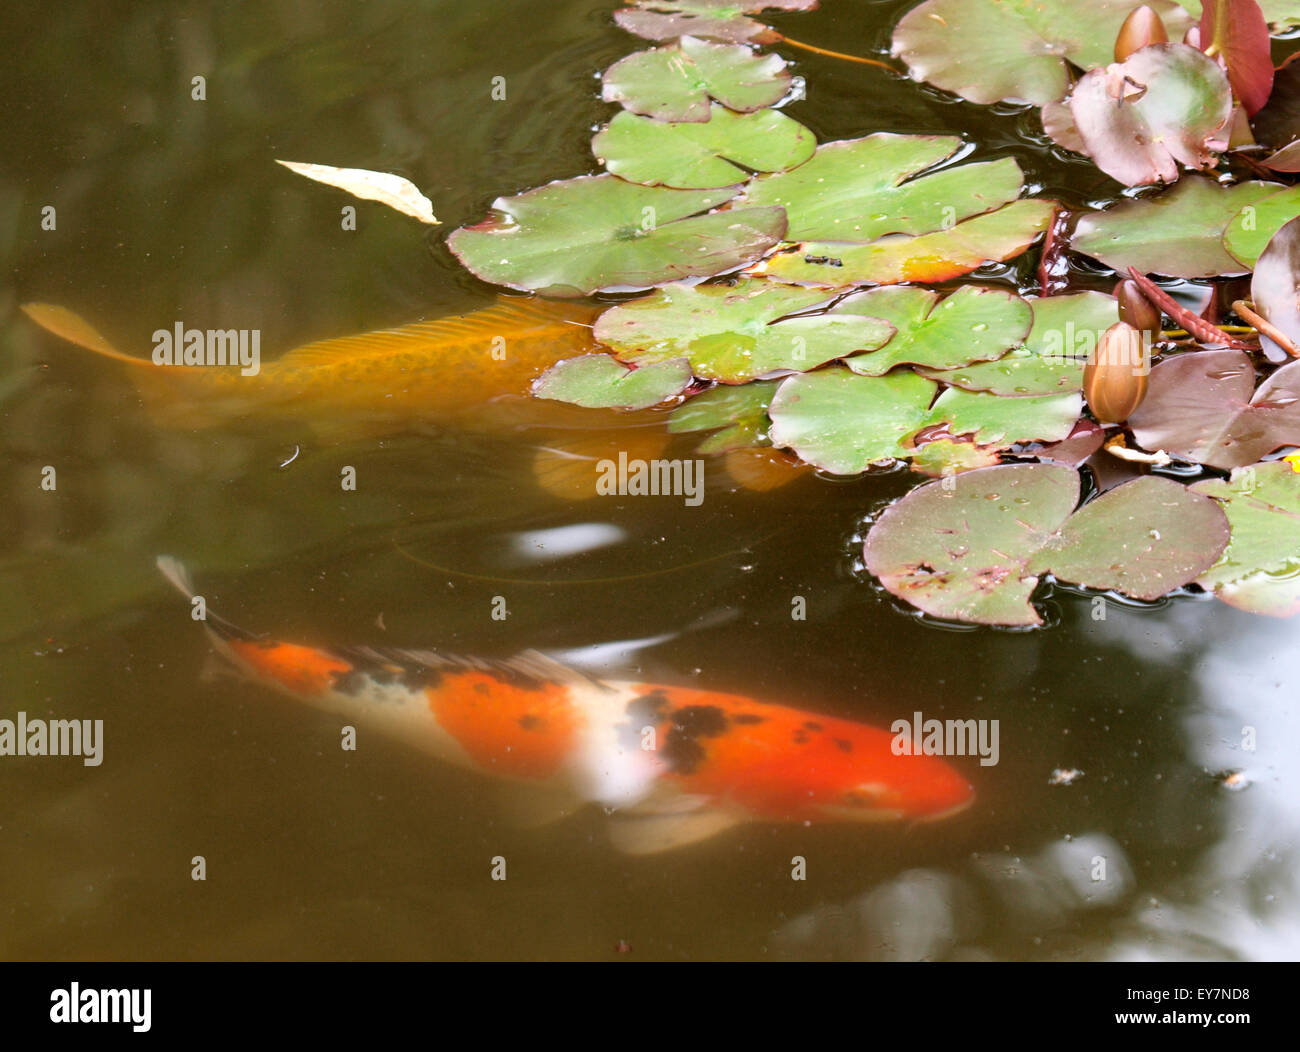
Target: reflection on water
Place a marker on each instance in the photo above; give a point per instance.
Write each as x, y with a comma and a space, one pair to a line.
173, 210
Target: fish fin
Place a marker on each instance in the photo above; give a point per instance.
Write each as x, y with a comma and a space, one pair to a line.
179, 578
530, 664
534, 806
71, 326
509, 317
649, 834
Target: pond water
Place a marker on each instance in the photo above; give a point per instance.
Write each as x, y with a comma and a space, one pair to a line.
168, 209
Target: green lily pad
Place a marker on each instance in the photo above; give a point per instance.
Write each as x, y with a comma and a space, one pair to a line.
732, 332
1180, 232
1252, 228
993, 420
675, 83
601, 381
702, 155
572, 237
930, 258
941, 457
1260, 569
1165, 105
843, 422
1204, 407
973, 324
1066, 330
738, 412
972, 548
853, 190
995, 50
713, 19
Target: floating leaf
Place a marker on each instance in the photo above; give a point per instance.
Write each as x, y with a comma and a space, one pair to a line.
844, 422
739, 412
1179, 232
854, 189
391, 190
946, 455
1236, 31
1253, 227
575, 236
1275, 285
601, 381
995, 421
1260, 569
675, 83
973, 324
1204, 407
702, 155
714, 19
1081, 443
972, 548
732, 333
1286, 159
1278, 123
1066, 330
1140, 118
929, 258
994, 50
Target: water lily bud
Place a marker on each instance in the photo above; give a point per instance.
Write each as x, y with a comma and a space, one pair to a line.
1136, 309
1142, 27
1115, 379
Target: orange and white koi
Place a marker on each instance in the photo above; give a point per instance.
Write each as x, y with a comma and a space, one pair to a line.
673, 765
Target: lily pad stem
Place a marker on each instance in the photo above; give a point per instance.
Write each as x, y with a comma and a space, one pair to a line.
839, 54
1268, 329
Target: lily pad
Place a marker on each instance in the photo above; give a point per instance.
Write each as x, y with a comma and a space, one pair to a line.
713, 19
1237, 32
995, 50
572, 237
1051, 360
945, 455
1275, 285
1251, 229
992, 420
854, 189
733, 333
934, 257
601, 381
1260, 569
1204, 407
1165, 104
675, 83
702, 155
1180, 232
972, 548
739, 413
973, 324
843, 422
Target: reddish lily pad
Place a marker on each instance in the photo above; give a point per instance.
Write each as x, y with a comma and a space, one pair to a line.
601, 381
1237, 32
734, 333
572, 237
1260, 569
1179, 232
676, 83
1275, 285
972, 548
1164, 105
1204, 407
929, 258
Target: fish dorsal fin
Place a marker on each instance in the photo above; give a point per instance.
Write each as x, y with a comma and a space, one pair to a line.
531, 665
510, 318
636, 833
71, 326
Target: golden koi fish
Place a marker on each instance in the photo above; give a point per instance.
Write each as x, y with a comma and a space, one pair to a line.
674, 765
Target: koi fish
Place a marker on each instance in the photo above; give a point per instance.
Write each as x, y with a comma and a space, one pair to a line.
672, 765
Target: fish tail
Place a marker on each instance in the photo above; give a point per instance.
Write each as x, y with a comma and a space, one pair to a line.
71, 326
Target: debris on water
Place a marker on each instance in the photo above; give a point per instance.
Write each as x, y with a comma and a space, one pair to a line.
1065, 776
1234, 780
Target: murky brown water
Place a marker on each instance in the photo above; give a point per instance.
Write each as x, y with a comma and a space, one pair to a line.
168, 209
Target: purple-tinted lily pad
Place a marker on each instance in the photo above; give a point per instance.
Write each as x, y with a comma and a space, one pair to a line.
1275, 285
734, 333
675, 83
1075, 448
1204, 407
601, 381
1260, 569
1237, 32
713, 19
1179, 232
972, 548
1166, 104
572, 237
